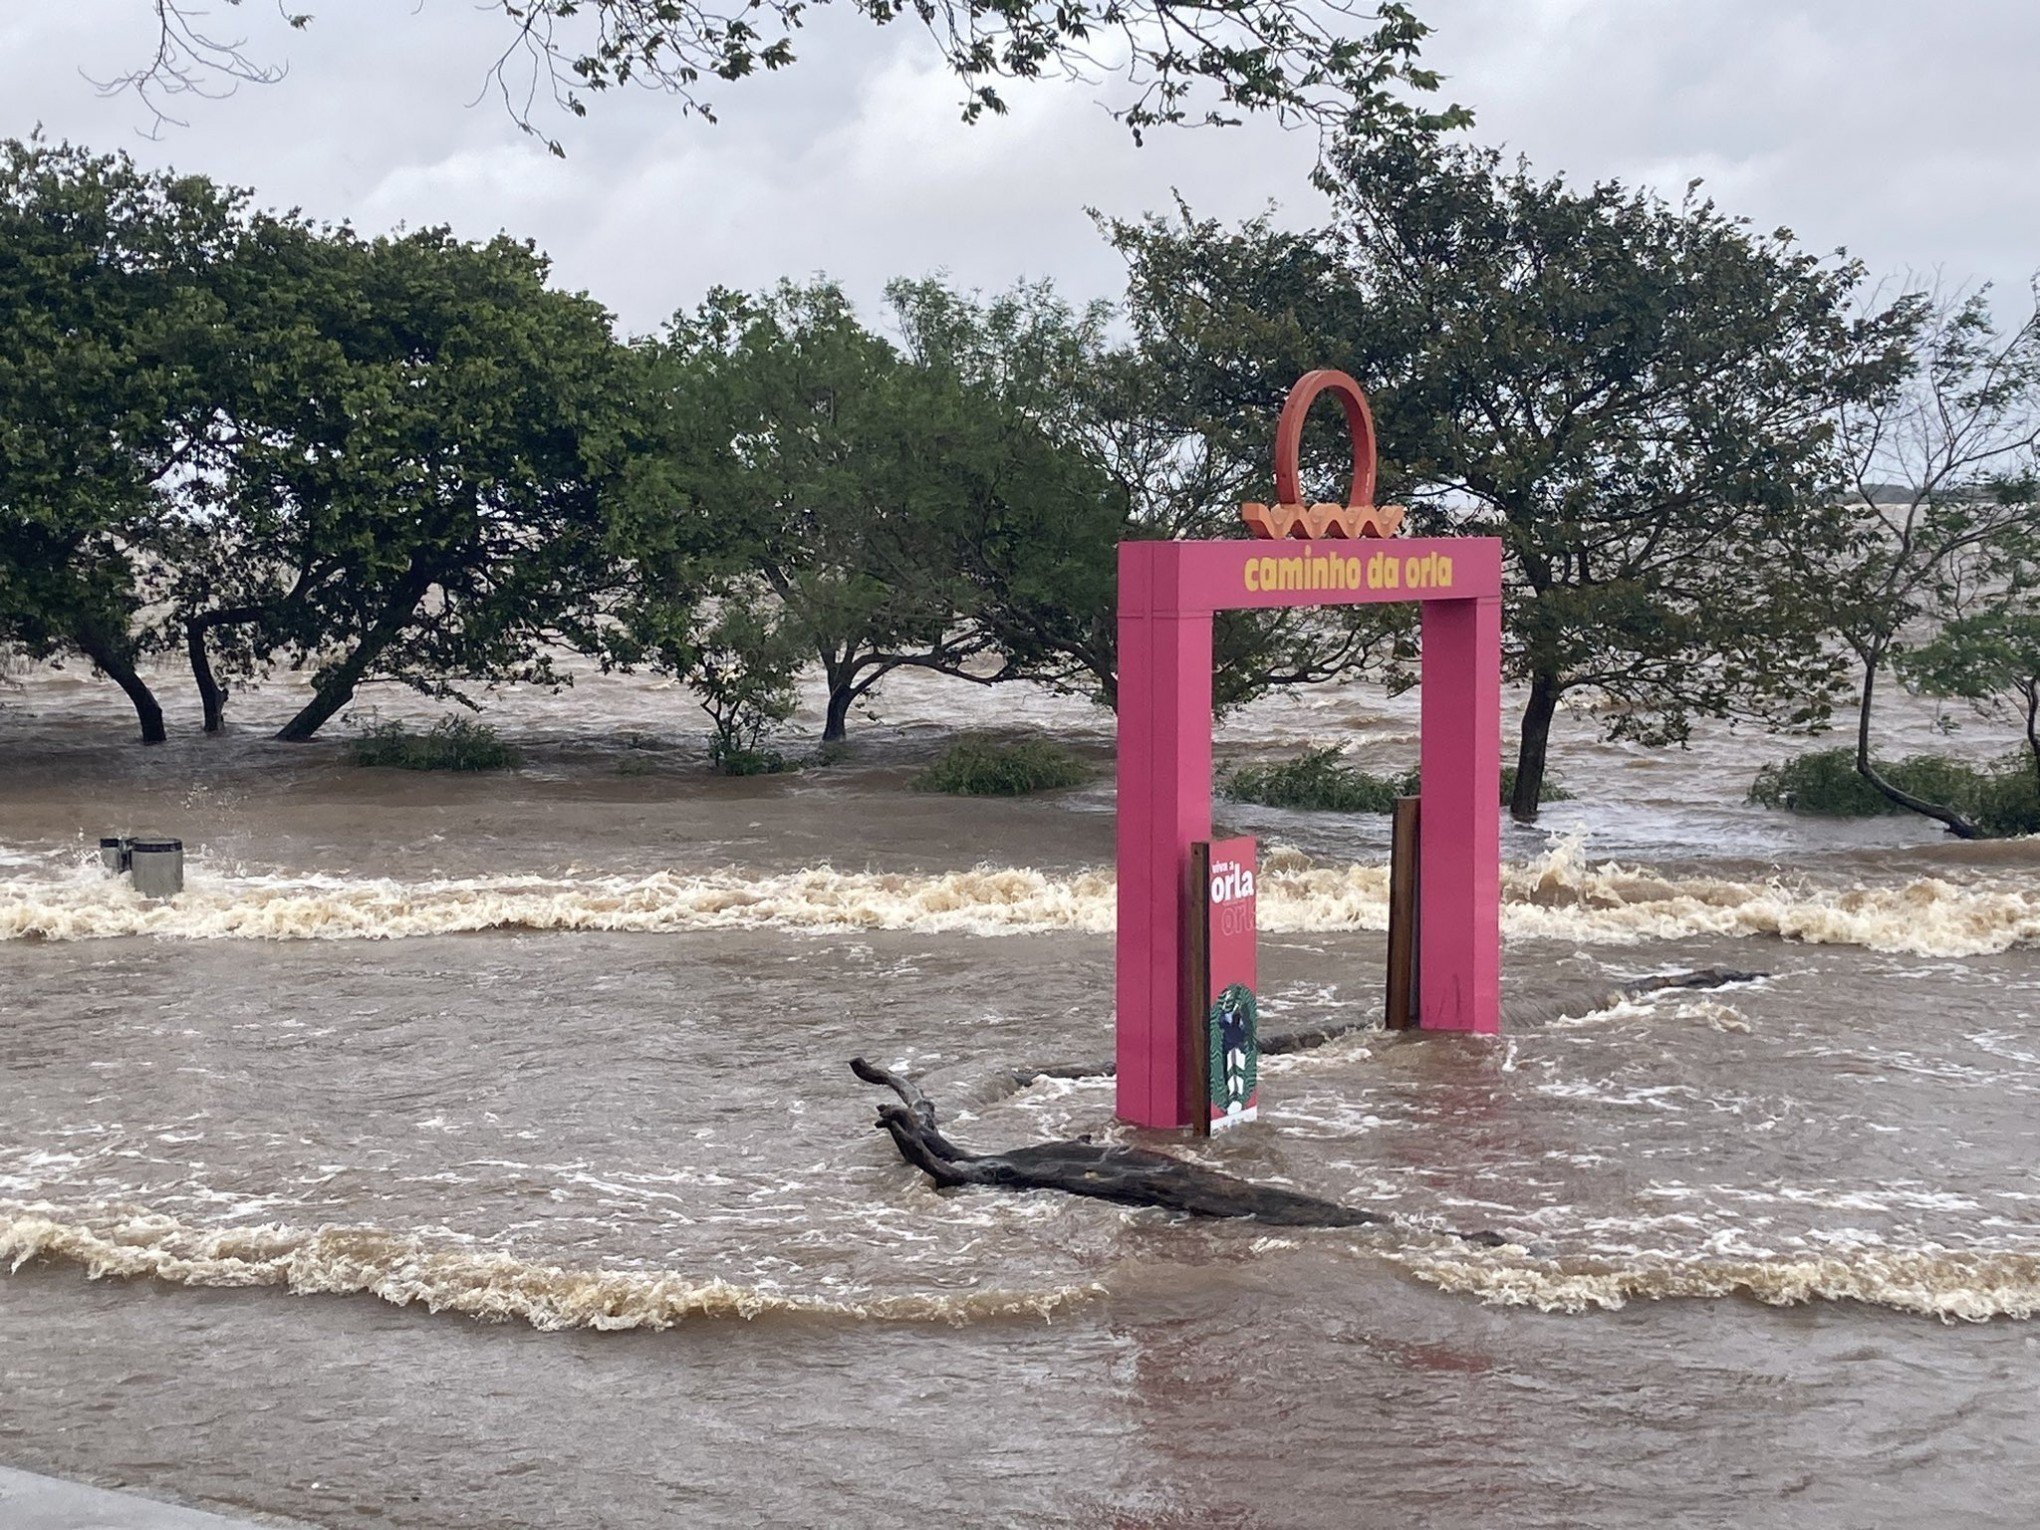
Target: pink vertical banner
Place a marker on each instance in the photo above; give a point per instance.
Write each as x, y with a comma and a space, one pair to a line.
1231, 1000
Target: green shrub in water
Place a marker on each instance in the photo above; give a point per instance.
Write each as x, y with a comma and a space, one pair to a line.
982, 767
1824, 782
2001, 798
1320, 780
730, 759
2009, 802
454, 743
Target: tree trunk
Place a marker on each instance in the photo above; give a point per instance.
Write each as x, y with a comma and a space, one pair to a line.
211, 694
119, 668
1530, 750
1953, 821
1130, 1176
836, 724
2031, 690
338, 688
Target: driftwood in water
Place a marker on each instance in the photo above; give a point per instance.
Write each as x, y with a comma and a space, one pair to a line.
1274, 1044
1108, 1171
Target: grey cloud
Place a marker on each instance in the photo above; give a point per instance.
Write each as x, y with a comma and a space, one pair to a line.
1899, 132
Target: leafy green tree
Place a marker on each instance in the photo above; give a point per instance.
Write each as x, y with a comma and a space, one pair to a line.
817, 455
1943, 518
1206, 61
745, 666
1067, 445
1637, 397
425, 502
1991, 660
111, 326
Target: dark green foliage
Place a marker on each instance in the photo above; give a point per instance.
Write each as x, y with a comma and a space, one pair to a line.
745, 668
430, 511
979, 766
2008, 800
1943, 529
831, 468
1319, 780
1636, 396
1059, 444
731, 760
2002, 798
452, 743
113, 354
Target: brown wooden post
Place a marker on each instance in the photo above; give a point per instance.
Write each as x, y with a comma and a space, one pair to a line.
1402, 1009
1197, 987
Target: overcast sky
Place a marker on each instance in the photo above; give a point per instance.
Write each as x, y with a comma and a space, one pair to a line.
1904, 131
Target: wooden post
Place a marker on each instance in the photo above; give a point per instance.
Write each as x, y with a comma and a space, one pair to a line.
1197, 984
1402, 1009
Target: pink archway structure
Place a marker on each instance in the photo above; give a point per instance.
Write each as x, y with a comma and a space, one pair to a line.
1301, 556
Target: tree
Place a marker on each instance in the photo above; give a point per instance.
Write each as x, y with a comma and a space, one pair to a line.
1069, 444
429, 509
1207, 61
1637, 397
1943, 515
1991, 660
111, 338
818, 455
746, 665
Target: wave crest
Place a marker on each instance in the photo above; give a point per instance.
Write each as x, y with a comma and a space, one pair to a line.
1559, 895
1951, 1284
405, 1269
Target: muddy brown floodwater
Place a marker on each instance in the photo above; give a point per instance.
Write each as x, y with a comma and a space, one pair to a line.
480, 1151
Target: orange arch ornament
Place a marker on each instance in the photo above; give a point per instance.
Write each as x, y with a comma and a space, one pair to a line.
1290, 517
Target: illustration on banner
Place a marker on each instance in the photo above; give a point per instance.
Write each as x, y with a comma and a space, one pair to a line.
1231, 1011
1235, 1056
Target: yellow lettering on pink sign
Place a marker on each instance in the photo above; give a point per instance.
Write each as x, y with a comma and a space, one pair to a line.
1329, 571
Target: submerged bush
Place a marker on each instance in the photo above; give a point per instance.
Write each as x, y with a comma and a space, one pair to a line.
976, 766
729, 759
1320, 780
2009, 801
1824, 782
1554, 789
454, 743
2002, 798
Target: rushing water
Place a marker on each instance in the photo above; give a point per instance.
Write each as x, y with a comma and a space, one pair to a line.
565, 1048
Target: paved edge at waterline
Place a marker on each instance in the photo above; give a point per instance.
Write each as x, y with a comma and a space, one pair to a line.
31, 1502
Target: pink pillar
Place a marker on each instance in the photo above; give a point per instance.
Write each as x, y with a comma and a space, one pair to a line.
1164, 805
1459, 941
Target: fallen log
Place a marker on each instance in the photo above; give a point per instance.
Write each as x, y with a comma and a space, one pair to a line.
1130, 1176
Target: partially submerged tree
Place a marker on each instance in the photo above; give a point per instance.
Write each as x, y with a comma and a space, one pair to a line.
745, 665
111, 338
1991, 660
1637, 397
1068, 444
819, 458
431, 512
1943, 517
1207, 61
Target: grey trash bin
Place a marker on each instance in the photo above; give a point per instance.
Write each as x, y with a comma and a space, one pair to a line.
113, 855
158, 865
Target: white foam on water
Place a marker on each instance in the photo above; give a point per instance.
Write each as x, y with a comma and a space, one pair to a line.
1929, 1280
1559, 895
445, 1275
